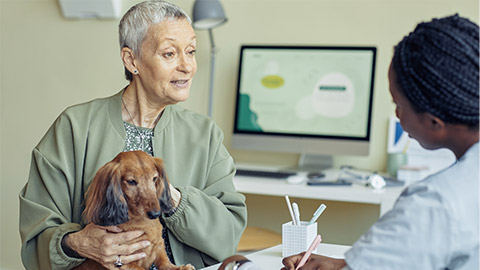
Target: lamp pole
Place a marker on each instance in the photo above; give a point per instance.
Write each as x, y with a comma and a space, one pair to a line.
208, 14
213, 51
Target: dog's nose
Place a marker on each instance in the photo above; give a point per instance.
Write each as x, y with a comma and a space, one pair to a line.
154, 214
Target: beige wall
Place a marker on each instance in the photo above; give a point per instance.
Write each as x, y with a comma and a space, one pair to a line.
49, 63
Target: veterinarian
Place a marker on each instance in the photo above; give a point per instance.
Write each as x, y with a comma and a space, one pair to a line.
158, 46
434, 84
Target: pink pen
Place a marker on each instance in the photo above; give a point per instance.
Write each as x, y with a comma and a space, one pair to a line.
313, 246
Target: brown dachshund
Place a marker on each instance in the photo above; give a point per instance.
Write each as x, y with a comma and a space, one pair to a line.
132, 191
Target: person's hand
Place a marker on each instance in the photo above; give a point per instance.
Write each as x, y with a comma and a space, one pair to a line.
105, 244
176, 196
234, 258
314, 262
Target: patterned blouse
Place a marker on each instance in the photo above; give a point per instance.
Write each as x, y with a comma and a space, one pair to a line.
140, 138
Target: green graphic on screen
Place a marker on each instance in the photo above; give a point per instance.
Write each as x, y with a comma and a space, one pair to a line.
305, 92
247, 120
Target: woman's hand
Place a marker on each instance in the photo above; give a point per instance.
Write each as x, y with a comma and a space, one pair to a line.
176, 196
234, 258
314, 262
105, 244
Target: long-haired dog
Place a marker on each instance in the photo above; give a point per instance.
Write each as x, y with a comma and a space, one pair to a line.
132, 191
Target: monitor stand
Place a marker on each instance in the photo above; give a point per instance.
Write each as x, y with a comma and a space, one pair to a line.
313, 162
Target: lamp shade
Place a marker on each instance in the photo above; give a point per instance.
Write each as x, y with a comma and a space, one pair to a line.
208, 14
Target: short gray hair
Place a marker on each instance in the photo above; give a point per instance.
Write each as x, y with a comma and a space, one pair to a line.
134, 25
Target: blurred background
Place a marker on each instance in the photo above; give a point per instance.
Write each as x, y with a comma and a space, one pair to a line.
49, 62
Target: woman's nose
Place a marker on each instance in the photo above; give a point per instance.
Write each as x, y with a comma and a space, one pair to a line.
187, 64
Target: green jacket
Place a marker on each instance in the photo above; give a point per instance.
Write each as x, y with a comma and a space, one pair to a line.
211, 216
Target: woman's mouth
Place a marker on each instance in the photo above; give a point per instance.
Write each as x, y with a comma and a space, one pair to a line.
180, 83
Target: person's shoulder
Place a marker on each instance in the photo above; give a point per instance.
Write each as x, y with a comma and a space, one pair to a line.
194, 123
182, 112
455, 187
92, 105
461, 174
442, 183
81, 114
190, 117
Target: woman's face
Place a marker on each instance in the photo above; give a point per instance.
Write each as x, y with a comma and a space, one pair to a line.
415, 124
167, 62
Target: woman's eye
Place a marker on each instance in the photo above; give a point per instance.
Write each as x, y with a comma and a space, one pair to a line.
132, 182
192, 52
155, 179
168, 54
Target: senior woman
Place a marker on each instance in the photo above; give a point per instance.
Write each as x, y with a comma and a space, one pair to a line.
158, 51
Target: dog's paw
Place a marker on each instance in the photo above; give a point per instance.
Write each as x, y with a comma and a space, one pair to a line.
187, 267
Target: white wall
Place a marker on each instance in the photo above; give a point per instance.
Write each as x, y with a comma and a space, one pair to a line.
48, 63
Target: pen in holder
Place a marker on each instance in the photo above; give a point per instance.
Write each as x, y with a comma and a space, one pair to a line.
297, 238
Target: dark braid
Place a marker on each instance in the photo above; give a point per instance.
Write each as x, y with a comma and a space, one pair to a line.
437, 69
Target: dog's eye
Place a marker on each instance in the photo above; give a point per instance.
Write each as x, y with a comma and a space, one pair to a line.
132, 182
155, 179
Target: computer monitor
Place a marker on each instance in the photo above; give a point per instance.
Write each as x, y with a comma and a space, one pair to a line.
312, 100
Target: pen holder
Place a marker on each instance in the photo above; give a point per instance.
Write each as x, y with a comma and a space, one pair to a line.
297, 238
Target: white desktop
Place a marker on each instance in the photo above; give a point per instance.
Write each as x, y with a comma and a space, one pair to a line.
355, 193
271, 258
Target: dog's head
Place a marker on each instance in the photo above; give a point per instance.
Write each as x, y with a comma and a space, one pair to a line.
132, 186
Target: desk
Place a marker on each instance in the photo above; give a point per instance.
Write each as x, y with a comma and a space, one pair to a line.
385, 198
271, 258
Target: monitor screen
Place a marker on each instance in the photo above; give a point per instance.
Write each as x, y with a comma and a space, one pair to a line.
301, 99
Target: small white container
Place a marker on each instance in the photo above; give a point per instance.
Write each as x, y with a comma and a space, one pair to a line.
297, 238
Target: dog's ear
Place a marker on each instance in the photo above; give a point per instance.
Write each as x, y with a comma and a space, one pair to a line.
105, 202
163, 187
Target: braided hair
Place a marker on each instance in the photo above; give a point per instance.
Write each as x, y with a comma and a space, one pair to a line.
437, 69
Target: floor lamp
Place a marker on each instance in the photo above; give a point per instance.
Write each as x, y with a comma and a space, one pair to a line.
208, 14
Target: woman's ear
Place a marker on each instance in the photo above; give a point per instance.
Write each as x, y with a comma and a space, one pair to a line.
129, 60
435, 127
435, 123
